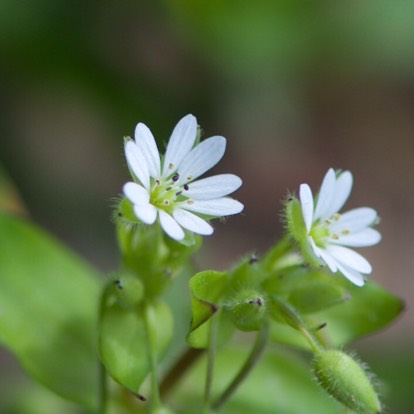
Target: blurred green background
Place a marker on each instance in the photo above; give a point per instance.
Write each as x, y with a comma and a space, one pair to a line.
295, 86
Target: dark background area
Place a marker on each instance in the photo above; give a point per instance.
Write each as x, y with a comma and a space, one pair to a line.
296, 87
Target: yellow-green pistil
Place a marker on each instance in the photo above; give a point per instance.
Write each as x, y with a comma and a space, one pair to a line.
321, 232
165, 193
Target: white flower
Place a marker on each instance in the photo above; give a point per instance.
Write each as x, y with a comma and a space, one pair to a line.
328, 231
167, 188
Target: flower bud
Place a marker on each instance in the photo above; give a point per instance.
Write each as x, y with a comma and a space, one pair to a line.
129, 289
345, 379
248, 309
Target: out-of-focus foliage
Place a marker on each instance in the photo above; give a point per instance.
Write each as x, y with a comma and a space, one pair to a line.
49, 305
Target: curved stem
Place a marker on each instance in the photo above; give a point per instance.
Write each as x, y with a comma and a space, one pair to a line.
211, 355
255, 354
103, 390
180, 367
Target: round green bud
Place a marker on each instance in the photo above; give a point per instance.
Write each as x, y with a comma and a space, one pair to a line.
129, 289
248, 309
345, 379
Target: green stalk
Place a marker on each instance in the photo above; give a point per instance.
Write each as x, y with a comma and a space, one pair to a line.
252, 360
155, 394
103, 390
211, 355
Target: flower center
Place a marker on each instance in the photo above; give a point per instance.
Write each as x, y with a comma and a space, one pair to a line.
165, 192
322, 233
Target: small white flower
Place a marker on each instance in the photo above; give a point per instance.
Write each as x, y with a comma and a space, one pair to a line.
167, 188
328, 231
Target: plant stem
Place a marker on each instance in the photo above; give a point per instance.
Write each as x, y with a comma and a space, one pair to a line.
155, 394
103, 390
177, 371
211, 355
249, 364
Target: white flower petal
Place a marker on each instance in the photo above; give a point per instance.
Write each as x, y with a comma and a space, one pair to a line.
315, 248
181, 141
219, 207
355, 220
352, 275
203, 157
329, 260
136, 193
170, 226
137, 163
306, 201
326, 195
147, 213
349, 258
213, 187
146, 143
192, 222
364, 238
343, 189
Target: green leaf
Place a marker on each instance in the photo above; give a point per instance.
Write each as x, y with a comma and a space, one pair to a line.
369, 310
124, 338
48, 310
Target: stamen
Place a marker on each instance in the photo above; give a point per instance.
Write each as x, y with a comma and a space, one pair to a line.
345, 232
190, 177
166, 202
328, 222
186, 187
158, 182
190, 202
335, 236
170, 166
168, 188
336, 216
176, 177
178, 193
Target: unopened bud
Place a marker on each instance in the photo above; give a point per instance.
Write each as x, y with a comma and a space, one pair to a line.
248, 310
345, 379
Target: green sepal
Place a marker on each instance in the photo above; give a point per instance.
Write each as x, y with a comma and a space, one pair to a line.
49, 300
125, 333
345, 379
297, 230
307, 290
151, 256
368, 310
294, 219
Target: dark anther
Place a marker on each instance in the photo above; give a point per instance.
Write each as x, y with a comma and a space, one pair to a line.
168, 189
178, 193
321, 326
119, 214
176, 177
140, 397
290, 198
253, 259
186, 187
157, 181
118, 284
258, 302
